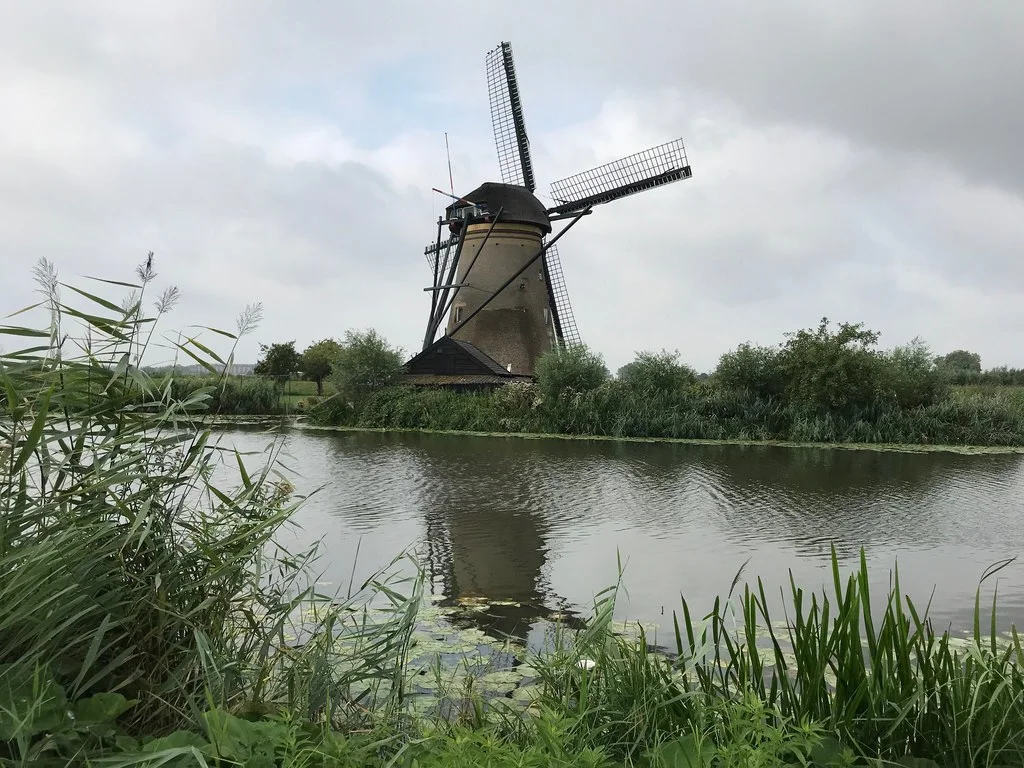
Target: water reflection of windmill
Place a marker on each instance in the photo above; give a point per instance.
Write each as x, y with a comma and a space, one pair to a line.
486, 536
497, 277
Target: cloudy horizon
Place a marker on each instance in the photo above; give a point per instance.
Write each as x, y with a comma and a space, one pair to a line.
854, 161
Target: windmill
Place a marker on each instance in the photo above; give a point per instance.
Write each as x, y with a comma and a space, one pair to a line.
497, 276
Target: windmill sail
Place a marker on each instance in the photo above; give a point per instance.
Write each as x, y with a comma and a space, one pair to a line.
635, 173
565, 324
432, 251
507, 119
517, 168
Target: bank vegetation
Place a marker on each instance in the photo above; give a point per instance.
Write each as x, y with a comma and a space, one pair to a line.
829, 384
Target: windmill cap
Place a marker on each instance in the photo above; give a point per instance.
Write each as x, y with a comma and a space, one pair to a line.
517, 204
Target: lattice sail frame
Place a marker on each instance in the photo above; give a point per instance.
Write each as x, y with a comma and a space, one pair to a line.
558, 295
433, 249
516, 165
507, 119
634, 173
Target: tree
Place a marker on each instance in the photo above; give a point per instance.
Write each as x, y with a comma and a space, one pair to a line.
277, 361
832, 371
960, 361
651, 373
317, 361
365, 363
574, 369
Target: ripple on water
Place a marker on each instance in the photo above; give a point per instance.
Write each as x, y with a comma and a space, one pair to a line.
542, 520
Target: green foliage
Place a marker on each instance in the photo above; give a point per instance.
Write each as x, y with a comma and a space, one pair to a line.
959, 361
886, 684
835, 683
563, 372
653, 373
993, 377
317, 361
364, 364
826, 374
547, 742
706, 411
758, 370
278, 361
136, 591
910, 377
433, 408
822, 385
230, 396
831, 372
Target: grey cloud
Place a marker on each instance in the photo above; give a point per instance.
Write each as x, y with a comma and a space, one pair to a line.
853, 160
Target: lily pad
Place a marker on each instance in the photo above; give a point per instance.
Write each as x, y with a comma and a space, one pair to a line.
473, 601
504, 679
526, 694
527, 670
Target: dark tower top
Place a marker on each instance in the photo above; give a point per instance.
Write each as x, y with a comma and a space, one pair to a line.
518, 205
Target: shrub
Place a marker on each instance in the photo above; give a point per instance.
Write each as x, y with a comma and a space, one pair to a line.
757, 370
574, 369
960, 360
517, 396
364, 364
308, 403
247, 395
911, 378
651, 373
828, 372
516, 406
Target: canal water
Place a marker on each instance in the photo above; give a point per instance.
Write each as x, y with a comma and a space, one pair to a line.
542, 525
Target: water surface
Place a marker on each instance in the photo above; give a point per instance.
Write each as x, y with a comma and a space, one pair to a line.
543, 522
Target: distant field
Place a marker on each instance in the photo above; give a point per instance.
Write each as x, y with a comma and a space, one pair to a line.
253, 395
294, 388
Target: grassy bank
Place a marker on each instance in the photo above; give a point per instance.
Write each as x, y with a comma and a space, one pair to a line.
821, 385
148, 616
703, 411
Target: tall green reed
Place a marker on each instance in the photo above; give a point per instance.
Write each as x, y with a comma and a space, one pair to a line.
836, 677
888, 685
128, 570
628, 696
703, 411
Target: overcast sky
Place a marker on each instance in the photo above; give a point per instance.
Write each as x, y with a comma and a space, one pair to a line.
857, 160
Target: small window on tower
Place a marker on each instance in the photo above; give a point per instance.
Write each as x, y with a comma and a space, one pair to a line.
458, 313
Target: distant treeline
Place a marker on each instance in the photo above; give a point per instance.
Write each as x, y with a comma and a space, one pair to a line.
235, 369
993, 377
824, 384
820, 385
